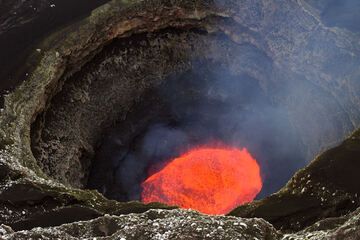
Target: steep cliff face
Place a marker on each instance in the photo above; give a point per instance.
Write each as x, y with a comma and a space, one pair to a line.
23, 24
326, 188
104, 69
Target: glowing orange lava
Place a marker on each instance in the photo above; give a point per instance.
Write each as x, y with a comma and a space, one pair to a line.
210, 180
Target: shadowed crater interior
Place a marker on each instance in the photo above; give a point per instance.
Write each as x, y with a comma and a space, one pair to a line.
145, 99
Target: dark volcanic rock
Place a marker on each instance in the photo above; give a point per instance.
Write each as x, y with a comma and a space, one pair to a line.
92, 73
182, 224
23, 23
16, 13
328, 187
157, 224
346, 228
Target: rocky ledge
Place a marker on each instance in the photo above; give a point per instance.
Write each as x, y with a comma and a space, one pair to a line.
185, 224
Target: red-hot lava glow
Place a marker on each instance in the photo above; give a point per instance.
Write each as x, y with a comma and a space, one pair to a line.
210, 180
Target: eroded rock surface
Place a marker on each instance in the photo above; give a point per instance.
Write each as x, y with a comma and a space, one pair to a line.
346, 228
183, 224
296, 49
328, 187
157, 224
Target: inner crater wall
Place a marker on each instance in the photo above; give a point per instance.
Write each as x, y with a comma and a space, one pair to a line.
95, 93
116, 89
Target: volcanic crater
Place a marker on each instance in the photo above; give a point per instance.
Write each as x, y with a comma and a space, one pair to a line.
112, 103
146, 98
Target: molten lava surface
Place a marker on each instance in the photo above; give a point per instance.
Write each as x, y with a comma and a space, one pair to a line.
210, 180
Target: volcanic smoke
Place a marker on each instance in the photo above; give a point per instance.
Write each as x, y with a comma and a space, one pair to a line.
210, 180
